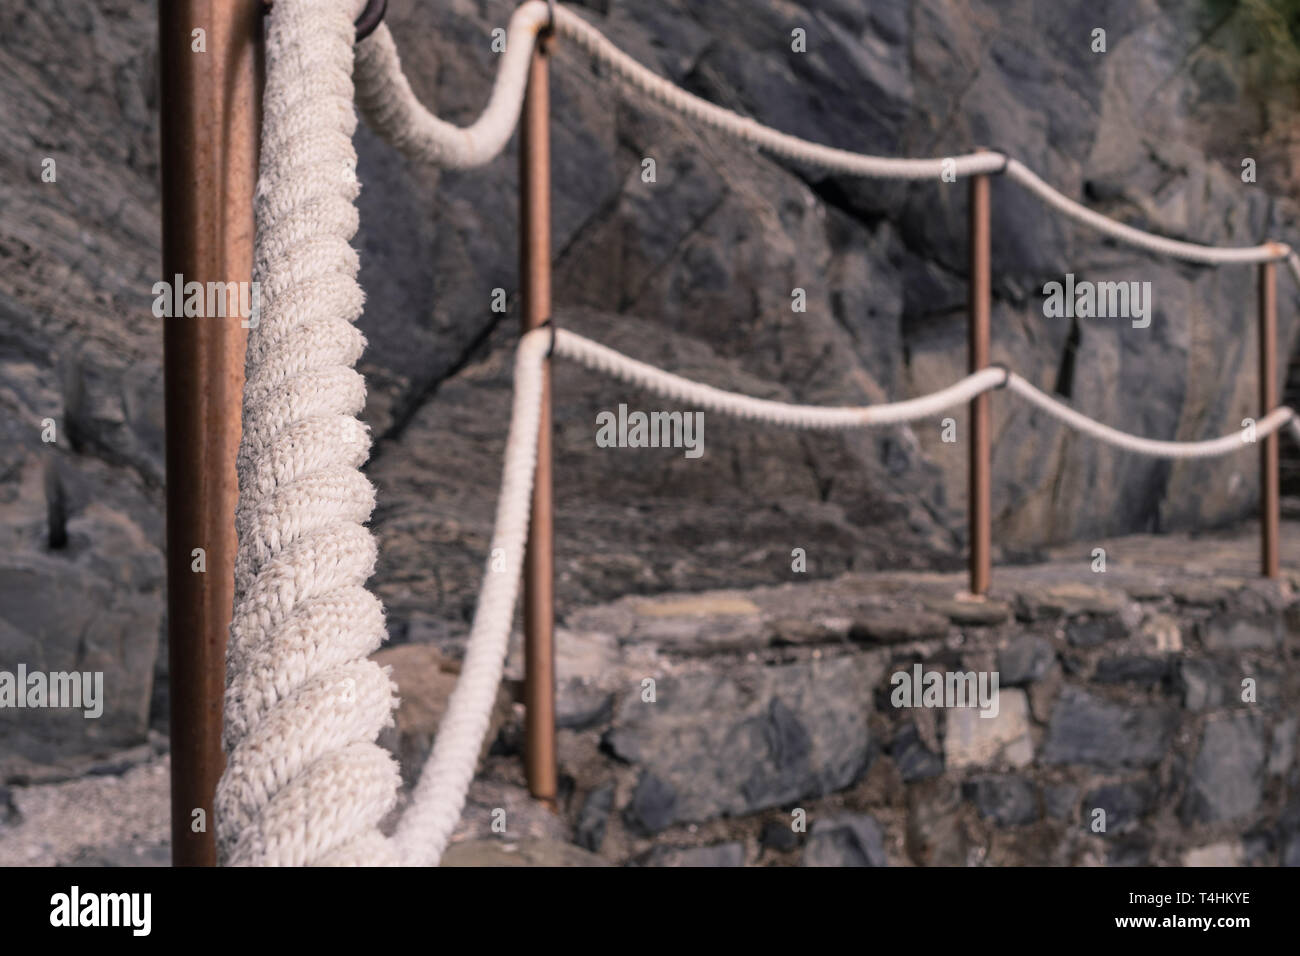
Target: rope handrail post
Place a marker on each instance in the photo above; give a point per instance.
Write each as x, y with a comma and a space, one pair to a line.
211, 116
1269, 478
979, 514
539, 581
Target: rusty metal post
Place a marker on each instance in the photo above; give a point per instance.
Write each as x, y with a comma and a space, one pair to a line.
979, 509
539, 583
210, 124
1269, 480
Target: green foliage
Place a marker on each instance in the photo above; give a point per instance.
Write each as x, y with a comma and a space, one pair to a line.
1271, 28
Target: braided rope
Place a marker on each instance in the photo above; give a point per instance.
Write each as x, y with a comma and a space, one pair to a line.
601, 358
305, 782
391, 108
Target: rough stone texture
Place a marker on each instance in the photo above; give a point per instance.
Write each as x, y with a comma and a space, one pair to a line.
762, 752
589, 829
1124, 803
1006, 800
723, 854
974, 740
1087, 729
1024, 661
543, 853
425, 680
914, 759
1226, 781
788, 732
852, 840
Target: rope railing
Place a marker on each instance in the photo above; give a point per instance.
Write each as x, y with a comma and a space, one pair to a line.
435, 808
305, 780
392, 109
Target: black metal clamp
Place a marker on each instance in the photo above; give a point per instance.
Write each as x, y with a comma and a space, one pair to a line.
1006, 158
550, 349
366, 23
370, 18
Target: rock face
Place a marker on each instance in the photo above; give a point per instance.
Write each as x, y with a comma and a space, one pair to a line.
789, 732
695, 271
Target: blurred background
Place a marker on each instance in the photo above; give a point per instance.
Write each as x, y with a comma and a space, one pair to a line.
694, 272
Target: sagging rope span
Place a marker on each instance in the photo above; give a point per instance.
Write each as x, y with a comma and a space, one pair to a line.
305, 781
392, 109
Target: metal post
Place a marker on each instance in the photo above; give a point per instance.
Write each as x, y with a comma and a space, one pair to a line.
1269, 480
535, 272
979, 506
211, 116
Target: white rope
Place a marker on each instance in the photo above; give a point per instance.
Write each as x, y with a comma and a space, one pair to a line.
305, 782
439, 796
1225, 445
603, 359
1189, 251
392, 109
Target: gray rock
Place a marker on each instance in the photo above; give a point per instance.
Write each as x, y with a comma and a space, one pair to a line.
915, 761
721, 854
1281, 752
848, 840
1131, 849
496, 852
1086, 729
1061, 801
778, 835
1236, 633
1201, 684
1226, 781
1291, 851
653, 806
1125, 803
1006, 799
1025, 660
1089, 631
9, 814
735, 741
1147, 671
589, 830
127, 855
971, 613
893, 626
973, 740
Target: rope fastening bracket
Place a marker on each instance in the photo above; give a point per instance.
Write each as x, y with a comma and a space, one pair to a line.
547, 324
366, 23
1006, 159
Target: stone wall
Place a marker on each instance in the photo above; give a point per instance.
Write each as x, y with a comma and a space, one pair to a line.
1143, 717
